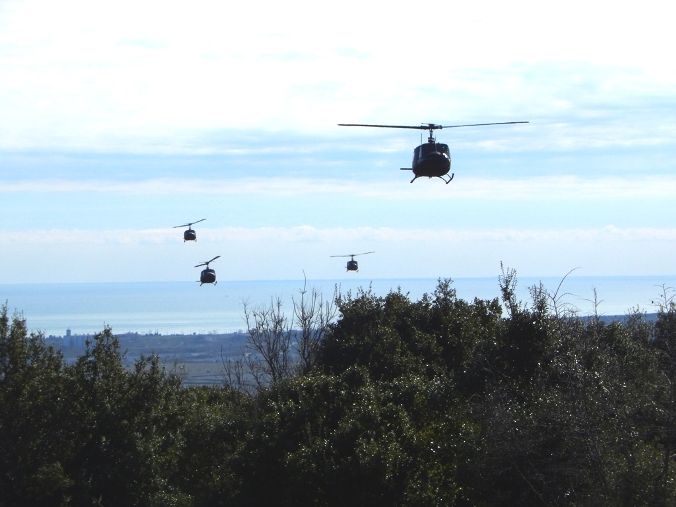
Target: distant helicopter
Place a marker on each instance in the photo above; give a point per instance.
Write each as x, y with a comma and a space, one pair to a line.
190, 234
352, 264
431, 159
207, 275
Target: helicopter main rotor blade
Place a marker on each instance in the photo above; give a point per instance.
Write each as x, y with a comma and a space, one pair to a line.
429, 126
351, 255
416, 127
206, 263
480, 124
188, 224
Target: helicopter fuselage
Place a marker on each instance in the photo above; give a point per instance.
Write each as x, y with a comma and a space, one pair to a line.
208, 275
189, 235
352, 265
431, 159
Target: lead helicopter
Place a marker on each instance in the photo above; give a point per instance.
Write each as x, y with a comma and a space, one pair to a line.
207, 275
352, 265
431, 159
190, 234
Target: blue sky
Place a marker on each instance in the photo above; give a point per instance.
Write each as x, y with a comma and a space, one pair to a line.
121, 120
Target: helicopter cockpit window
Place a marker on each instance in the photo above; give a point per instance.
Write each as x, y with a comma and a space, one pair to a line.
426, 149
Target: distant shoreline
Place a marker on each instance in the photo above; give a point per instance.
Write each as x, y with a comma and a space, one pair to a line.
650, 317
181, 309
135, 334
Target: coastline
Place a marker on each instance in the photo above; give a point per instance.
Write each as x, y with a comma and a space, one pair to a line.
184, 308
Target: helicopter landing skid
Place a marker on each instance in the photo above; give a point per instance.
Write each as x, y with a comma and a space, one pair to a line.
440, 177
449, 179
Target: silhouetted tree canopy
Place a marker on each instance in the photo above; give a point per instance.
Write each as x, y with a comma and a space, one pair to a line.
432, 402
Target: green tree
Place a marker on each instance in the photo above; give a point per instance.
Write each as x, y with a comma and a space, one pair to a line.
665, 343
32, 443
126, 428
217, 424
334, 440
575, 427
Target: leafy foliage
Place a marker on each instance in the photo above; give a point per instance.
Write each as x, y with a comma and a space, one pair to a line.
397, 402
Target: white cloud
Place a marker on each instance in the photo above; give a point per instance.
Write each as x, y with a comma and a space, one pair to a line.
308, 234
560, 187
149, 76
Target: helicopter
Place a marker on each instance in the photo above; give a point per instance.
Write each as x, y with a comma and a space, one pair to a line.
207, 275
352, 264
431, 159
190, 234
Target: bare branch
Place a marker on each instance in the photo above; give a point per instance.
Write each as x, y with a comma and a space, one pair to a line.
269, 343
311, 318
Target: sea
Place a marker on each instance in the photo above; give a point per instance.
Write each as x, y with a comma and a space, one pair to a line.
187, 308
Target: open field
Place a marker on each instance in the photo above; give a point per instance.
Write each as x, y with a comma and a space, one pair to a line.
194, 373
197, 357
